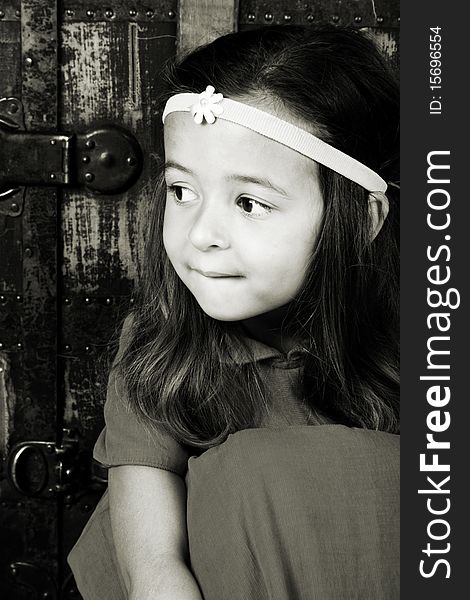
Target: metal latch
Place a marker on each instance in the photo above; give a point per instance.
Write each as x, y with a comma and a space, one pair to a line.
37, 468
106, 160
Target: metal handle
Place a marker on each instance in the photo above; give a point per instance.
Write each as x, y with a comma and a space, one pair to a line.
18, 467
37, 468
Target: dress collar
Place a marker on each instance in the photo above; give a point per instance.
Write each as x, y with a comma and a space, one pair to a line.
257, 351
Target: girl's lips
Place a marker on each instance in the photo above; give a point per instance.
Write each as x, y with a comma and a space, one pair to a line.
215, 274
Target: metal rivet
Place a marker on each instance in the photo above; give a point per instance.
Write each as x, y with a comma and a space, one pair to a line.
89, 177
53, 142
87, 349
251, 17
108, 13
380, 19
45, 595
18, 13
19, 345
171, 14
52, 176
3, 299
67, 301
149, 13
310, 18
67, 347
106, 159
50, 448
19, 298
87, 300
357, 19
132, 12
12, 108
28, 252
287, 18
268, 17
2, 14
108, 301
29, 61
131, 301
69, 12
131, 161
13, 569
90, 14
1, 345
398, 19
335, 18
86, 159
90, 143
14, 207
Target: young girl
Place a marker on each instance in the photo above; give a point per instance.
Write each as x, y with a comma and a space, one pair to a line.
253, 406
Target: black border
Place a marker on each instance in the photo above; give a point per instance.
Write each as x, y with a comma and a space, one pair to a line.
423, 133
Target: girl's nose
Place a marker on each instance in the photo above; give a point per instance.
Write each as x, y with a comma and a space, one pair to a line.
208, 229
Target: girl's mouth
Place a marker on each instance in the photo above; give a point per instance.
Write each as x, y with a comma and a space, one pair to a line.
216, 274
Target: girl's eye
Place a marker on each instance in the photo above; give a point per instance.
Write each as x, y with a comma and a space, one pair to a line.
181, 194
253, 207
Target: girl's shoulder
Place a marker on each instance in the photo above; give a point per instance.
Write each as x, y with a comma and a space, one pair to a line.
126, 439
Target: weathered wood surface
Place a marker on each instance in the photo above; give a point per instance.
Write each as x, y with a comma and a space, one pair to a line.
11, 279
110, 73
201, 21
29, 525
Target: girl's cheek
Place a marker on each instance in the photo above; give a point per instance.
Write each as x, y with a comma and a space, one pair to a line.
166, 235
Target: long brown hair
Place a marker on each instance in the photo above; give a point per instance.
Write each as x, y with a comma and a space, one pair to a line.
179, 367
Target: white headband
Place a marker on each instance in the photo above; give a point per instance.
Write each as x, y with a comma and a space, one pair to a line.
208, 106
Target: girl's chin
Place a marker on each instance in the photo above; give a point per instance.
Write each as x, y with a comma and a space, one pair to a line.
229, 311
224, 315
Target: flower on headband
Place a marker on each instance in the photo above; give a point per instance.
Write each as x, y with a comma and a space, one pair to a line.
208, 106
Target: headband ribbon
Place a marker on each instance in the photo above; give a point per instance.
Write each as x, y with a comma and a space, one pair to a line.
210, 106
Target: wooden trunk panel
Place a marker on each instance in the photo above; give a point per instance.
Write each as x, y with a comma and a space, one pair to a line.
109, 74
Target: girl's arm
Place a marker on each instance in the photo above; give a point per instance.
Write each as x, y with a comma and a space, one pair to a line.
148, 521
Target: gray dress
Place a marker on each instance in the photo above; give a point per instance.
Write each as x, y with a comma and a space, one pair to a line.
288, 511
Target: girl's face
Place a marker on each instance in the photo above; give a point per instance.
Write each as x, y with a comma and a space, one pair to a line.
242, 216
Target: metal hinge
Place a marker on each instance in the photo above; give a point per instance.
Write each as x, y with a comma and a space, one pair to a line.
106, 160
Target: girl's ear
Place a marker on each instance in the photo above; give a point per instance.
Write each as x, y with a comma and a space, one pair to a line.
378, 211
